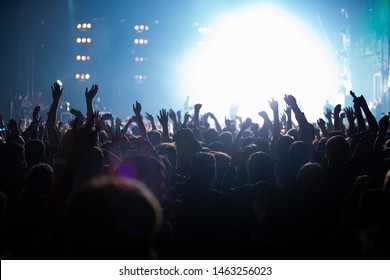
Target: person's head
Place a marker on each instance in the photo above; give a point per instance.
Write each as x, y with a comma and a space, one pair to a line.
203, 169
260, 168
92, 165
337, 150
210, 135
154, 137
34, 151
113, 218
298, 154
186, 147
12, 157
226, 138
146, 169
40, 179
310, 176
283, 145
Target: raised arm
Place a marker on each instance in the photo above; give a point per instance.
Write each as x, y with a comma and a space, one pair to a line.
276, 125
56, 92
361, 102
151, 119
89, 95
163, 119
36, 119
336, 116
351, 120
138, 118
217, 125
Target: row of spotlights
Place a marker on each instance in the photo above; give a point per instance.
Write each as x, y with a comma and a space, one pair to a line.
141, 41
141, 27
84, 26
140, 77
83, 57
82, 76
139, 59
83, 40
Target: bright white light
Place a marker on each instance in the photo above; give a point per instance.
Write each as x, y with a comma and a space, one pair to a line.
257, 53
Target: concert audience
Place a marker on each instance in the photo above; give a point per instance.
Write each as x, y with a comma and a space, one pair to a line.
101, 188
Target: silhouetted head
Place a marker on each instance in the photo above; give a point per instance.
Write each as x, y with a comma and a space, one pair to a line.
310, 176
298, 154
337, 150
260, 168
113, 218
34, 151
146, 169
12, 157
283, 145
226, 138
210, 135
40, 179
203, 169
154, 137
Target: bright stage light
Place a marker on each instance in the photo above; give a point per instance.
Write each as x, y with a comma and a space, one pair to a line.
256, 53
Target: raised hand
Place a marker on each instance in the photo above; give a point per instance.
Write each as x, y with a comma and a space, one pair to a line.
35, 117
149, 117
328, 113
350, 114
337, 110
172, 116
290, 100
321, 123
246, 124
163, 117
56, 91
359, 101
137, 109
273, 104
90, 94
197, 107
264, 115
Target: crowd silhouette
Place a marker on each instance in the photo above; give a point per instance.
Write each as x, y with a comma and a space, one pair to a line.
173, 186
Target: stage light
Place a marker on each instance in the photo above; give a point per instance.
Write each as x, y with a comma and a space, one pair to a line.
136, 41
89, 40
83, 58
142, 27
136, 27
83, 40
146, 41
78, 57
88, 57
89, 25
136, 59
78, 40
141, 41
84, 25
77, 76
259, 52
146, 27
141, 59
78, 26
82, 76
87, 76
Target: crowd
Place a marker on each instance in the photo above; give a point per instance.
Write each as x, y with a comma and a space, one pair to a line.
173, 186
